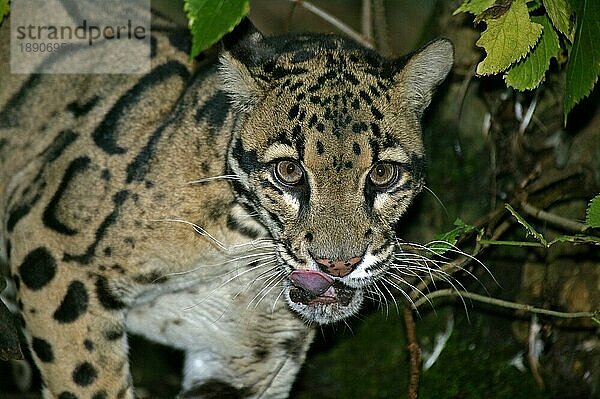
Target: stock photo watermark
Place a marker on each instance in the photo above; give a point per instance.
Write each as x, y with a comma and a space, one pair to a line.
87, 36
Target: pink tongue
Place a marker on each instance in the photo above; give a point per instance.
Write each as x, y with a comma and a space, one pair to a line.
312, 281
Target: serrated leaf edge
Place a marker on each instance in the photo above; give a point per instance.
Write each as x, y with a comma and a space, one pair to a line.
593, 202
524, 59
495, 72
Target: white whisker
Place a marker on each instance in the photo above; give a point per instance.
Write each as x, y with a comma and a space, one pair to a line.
211, 178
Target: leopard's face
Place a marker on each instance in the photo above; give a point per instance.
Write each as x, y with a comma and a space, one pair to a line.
329, 159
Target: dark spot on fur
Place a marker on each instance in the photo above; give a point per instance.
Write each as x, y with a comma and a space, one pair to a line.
50, 216
140, 165
118, 268
38, 268
43, 349
293, 112
153, 277
215, 389
100, 395
107, 133
89, 345
260, 354
85, 258
106, 298
302, 55
84, 374
130, 241
359, 127
19, 212
320, 148
80, 109
114, 333
320, 127
293, 346
363, 94
64, 139
214, 111
107, 251
376, 113
105, 175
67, 395
73, 305
356, 148
375, 129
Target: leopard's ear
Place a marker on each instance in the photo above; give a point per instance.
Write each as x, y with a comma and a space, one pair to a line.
424, 71
237, 58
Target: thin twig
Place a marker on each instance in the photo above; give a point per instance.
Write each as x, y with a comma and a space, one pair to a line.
551, 218
367, 20
460, 262
334, 21
382, 37
505, 304
414, 351
290, 16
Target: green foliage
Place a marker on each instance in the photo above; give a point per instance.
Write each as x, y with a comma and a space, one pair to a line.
542, 241
4, 9
521, 46
528, 74
593, 213
474, 6
448, 240
209, 20
508, 38
583, 67
560, 13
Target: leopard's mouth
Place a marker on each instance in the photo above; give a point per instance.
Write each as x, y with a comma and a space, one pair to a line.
311, 287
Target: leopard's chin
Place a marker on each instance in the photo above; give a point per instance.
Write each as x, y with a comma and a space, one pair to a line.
338, 302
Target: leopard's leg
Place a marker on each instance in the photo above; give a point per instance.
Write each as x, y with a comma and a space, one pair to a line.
75, 327
236, 345
265, 368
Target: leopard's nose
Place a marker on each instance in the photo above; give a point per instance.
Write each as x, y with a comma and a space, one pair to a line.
338, 268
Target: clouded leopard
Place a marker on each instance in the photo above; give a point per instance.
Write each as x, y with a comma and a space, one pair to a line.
223, 209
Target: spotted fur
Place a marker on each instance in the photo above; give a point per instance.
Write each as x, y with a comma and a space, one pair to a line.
152, 204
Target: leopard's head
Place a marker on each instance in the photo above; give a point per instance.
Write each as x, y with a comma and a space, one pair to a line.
327, 147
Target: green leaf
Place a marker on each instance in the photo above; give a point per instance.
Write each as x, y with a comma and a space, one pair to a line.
446, 241
560, 12
592, 218
4, 9
507, 38
528, 73
209, 20
534, 5
583, 67
474, 6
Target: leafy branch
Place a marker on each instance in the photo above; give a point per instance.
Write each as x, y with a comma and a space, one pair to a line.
521, 38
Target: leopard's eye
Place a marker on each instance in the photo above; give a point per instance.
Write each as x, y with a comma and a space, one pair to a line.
384, 174
289, 172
